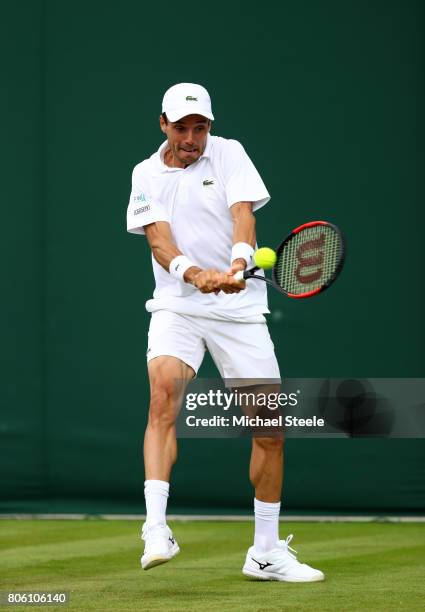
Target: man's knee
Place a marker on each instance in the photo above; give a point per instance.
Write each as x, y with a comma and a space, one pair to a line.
168, 377
162, 408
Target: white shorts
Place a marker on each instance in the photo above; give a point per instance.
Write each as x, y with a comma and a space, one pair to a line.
239, 350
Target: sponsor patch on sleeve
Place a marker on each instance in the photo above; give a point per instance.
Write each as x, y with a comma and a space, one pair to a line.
142, 209
141, 199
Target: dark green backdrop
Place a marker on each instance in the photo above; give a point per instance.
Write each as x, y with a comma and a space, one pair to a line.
327, 98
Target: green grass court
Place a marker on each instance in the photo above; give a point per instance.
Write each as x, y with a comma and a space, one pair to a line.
372, 566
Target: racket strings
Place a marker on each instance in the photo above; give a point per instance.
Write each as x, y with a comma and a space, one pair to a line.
309, 260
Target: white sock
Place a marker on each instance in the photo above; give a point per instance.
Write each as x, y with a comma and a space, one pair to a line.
156, 497
266, 534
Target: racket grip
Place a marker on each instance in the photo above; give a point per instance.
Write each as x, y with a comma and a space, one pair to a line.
239, 276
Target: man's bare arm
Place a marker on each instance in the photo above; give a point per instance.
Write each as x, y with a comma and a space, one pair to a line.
164, 251
243, 231
163, 248
243, 223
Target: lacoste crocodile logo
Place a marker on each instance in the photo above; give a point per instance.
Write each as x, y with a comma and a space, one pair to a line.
191, 99
207, 182
262, 565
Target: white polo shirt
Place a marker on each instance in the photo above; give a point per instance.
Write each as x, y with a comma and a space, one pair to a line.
196, 202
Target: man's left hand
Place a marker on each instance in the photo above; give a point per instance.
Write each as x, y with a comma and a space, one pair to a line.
232, 285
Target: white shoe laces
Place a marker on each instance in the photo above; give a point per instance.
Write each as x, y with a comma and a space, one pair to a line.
284, 560
285, 545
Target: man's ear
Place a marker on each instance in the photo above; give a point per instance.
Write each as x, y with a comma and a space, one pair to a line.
162, 124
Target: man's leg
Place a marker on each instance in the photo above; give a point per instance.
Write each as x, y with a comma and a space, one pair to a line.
266, 468
245, 352
270, 558
168, 378
266, 474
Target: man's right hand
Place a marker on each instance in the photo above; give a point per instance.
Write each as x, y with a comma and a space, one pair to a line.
213, 281
208, 281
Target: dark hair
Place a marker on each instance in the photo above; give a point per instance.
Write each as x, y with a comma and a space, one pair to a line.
164, 116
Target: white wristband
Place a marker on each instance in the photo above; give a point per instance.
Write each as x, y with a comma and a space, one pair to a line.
242, 250
179, 265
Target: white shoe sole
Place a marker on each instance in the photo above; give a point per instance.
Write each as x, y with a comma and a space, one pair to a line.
155, 560
259, 575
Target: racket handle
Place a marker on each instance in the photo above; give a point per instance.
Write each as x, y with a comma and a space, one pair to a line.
244, 274
239, 276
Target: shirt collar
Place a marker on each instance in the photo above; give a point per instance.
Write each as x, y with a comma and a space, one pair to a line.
161, 151
208, 147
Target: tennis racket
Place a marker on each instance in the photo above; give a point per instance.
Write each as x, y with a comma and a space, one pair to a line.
308, 261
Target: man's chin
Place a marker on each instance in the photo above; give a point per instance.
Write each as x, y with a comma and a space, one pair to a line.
189, 158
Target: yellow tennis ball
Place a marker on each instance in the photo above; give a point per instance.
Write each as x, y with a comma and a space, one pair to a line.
265, 258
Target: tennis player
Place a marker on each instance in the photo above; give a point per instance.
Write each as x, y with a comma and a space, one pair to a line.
195, 200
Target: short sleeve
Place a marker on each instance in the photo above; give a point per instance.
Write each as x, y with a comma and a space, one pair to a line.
142, 208
242, 180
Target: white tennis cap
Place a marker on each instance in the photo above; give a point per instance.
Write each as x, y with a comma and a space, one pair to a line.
186, 99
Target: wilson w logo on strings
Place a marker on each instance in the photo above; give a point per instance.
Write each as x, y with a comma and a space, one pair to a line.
310, 254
